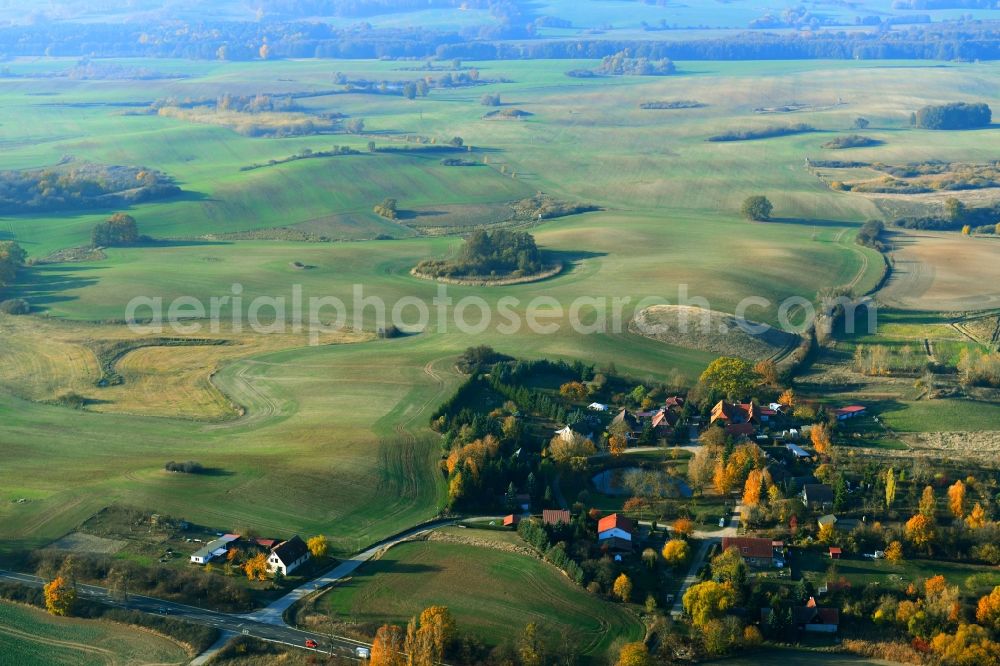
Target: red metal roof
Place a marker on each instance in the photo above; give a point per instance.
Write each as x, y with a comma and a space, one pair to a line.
851, 409
555, 516
614, 521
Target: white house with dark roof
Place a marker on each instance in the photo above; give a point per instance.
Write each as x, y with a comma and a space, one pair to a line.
288, 555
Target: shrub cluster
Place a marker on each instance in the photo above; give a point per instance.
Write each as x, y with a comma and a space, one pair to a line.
762, 132
496, 253
187, 467
953, 116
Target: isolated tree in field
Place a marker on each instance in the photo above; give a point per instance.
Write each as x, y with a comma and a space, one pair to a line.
355, 126
730, 376
410, 90
890, 488
954, 210
757, 208
623, 588
956, 499
59, 596
676, 552
387, 209
894, 552
634, 654
707, 601
120, 229
318, 546
256, 567
490, 100
387, 648
861, 123
264, 51
819, 434
12, 258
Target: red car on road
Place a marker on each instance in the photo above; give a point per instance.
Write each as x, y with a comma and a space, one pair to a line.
310, 643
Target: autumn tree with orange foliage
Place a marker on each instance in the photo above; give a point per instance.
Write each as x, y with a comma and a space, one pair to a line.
988, 610
256, 567
767, 371
753, 489
387, 648
683, 527
59, 596
617, 444
819, 434
970, 645
573, 391
956, 499
976, 517
920, 531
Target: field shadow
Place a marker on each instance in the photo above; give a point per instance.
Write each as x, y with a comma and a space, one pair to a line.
415, 214
807, 222
45, 285
180, 242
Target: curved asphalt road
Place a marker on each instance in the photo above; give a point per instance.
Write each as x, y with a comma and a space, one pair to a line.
267, 623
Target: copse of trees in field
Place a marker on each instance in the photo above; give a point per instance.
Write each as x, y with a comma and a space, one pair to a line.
757, 208
870, 235
851, 141
673, 104
954, 116
119, 230
768, 132
498, 253
79, 186
12, 258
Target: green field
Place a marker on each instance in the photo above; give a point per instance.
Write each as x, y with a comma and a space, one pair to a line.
30, 637
511, 590
334, 438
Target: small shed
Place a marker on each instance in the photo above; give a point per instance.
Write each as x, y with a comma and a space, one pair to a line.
511, 520
835, 552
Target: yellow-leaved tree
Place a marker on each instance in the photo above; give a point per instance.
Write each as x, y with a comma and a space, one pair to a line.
387, 648
707, 601
256, 567
676, 552
634, 654
318, 546
956, 499
623, 587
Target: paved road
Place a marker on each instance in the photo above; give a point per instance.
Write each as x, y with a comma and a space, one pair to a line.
224, 622
274, 613
708, 538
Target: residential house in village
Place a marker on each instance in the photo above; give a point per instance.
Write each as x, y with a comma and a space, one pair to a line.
756, 551
288, 556
213, 549
741, 419
817, 495
616, 532
632, 426
816, 619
